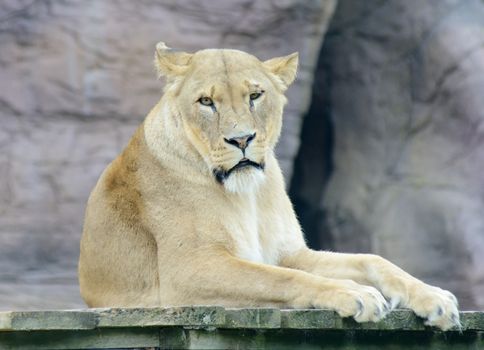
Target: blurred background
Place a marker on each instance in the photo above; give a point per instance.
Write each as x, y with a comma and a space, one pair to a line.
382, 147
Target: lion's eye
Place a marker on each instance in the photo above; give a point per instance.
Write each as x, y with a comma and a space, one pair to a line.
206, 101
255, 95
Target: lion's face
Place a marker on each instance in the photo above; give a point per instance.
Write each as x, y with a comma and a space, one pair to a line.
230, 105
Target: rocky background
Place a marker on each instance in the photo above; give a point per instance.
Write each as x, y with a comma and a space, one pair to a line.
381, 154
76, 79
400, 169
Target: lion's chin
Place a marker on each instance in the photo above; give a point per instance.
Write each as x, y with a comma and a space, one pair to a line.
244, 180
245, 177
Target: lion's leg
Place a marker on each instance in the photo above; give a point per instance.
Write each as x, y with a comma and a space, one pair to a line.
438, 306
222, 279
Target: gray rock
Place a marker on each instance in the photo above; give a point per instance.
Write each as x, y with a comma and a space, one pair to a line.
76, 78
406, 80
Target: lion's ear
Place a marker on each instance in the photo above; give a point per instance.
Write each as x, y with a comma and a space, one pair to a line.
284, 67
171, 63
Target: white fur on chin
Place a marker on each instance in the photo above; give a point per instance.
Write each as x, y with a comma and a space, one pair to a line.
244, 180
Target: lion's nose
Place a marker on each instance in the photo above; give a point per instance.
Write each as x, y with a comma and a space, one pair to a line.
241, 141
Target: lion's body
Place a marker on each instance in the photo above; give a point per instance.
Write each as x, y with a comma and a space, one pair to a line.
138, 203
194, 210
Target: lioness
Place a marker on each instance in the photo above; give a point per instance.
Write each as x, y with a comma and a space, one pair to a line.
194, 210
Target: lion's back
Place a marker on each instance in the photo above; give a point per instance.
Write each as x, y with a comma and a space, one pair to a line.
117, 264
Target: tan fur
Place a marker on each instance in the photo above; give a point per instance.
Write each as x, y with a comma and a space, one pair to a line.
161, 230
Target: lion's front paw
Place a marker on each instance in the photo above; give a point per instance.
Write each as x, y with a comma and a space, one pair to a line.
439, 307
363, 303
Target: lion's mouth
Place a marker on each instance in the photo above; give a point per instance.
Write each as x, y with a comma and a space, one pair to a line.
245, 163
221, 174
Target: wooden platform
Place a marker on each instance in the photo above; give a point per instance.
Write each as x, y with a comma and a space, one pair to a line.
212, 327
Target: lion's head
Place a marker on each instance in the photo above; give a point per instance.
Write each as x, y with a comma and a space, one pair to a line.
230, 104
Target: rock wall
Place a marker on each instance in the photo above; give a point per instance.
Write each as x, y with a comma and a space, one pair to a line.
76, 78
405, 81
398, 91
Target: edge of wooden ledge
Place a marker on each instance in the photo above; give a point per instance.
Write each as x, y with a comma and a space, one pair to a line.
212, 317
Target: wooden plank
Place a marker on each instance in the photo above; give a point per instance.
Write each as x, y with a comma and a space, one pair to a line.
107, 338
